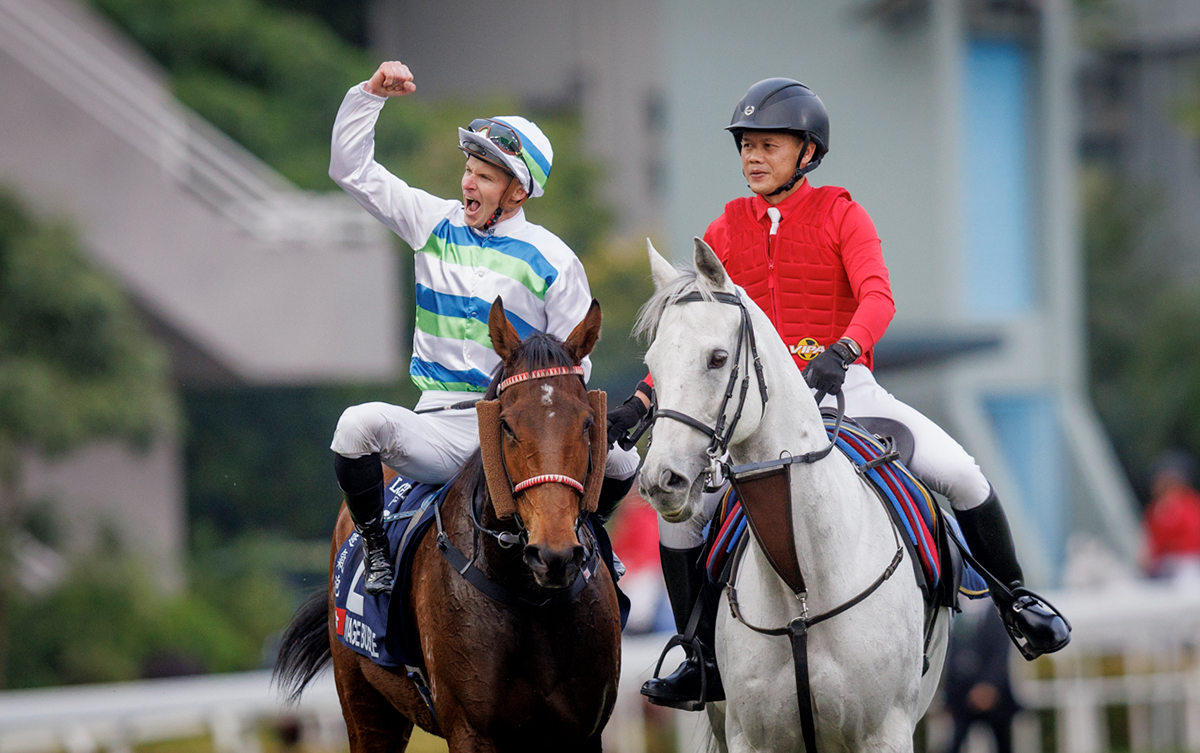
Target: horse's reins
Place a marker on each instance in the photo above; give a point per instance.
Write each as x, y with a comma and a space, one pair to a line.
721, 435
797, 629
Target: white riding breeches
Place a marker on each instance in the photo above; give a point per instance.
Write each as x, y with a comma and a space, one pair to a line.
430, 447
938, 460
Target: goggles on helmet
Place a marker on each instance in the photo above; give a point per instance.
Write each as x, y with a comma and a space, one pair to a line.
504, 137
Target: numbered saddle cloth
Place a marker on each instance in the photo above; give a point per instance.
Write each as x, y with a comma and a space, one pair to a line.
368, 624
376, 626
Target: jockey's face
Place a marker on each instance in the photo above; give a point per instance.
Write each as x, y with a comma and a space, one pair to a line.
484, 186
769, 159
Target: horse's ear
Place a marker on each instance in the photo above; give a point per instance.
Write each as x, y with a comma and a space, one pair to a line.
583, 338
709, 266
661, 270
504, 337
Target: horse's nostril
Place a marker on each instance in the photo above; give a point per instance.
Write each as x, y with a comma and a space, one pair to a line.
578, 558
533, 555
674, 481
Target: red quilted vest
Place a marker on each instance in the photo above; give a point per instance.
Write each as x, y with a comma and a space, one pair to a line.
795, 276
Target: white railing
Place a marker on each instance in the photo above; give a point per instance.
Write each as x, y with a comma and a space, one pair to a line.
230, 708
1136, 648
118, 716
48, 41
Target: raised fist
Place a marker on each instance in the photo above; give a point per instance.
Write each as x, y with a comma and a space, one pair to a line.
393, 79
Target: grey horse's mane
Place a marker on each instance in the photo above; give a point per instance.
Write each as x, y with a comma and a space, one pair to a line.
688, 281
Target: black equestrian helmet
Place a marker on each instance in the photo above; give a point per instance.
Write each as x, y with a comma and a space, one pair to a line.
782, 104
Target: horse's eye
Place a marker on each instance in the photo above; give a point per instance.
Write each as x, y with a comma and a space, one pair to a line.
717, 359
504, 427
587, 425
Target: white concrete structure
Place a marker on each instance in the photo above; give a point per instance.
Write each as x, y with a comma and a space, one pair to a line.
241, 275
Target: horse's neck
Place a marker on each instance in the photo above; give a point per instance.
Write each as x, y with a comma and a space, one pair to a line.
831, 518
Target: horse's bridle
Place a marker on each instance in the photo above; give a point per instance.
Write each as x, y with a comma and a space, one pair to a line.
720, 434
718, 470
507, 539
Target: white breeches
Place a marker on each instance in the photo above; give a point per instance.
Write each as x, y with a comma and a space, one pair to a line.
430, 447
938, 460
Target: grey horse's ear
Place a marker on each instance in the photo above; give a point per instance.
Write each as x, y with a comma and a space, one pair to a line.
661, 270
709, 266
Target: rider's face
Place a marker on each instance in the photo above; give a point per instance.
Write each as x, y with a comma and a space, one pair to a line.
483, 186
769, 159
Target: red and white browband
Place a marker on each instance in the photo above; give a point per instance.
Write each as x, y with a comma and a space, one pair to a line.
540, 374
548, 478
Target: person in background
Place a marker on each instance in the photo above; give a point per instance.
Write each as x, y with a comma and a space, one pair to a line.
1171, 526
977, 686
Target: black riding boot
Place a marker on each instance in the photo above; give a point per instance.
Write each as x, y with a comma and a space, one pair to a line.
697, 679
1034, 625
361, 480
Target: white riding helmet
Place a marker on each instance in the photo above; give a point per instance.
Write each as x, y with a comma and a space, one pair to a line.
511, 143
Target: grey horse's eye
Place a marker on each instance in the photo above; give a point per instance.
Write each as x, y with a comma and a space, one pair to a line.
717, 359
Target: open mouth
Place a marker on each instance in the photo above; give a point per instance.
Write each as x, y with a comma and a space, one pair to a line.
471, 205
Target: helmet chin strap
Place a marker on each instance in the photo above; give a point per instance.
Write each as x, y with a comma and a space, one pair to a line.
500, 206
800, 171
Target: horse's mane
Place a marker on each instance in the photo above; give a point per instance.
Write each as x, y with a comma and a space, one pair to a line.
688, 281
540, 350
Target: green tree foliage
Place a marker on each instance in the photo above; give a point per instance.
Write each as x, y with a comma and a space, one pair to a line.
1144, 330
109, 622
74, 361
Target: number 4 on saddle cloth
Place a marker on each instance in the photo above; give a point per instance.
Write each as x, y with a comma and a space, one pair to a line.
375, 626
940, 571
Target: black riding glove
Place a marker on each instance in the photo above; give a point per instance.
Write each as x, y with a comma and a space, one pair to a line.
626, 416
828, 370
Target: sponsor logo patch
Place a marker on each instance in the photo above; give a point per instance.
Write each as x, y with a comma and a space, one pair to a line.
807, 348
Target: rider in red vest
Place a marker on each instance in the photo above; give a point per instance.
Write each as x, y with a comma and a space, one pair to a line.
810, 258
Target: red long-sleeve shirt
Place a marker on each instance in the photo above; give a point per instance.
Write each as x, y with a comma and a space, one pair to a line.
820, 276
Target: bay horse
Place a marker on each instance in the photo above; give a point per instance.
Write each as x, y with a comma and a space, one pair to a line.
865, 670
539, 673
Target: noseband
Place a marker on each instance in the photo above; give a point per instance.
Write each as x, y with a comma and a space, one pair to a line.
718, 469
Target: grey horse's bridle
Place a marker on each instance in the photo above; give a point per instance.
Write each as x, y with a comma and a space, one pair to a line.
718, 470
720, 434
